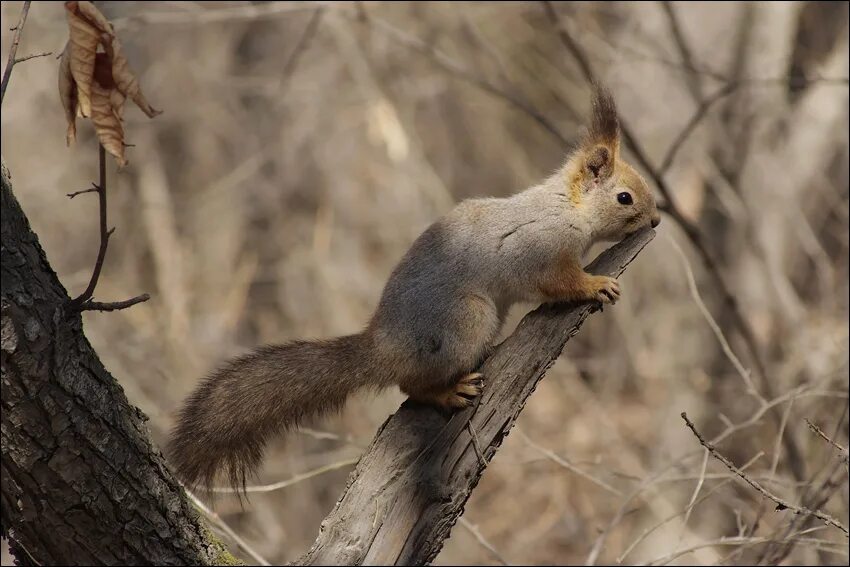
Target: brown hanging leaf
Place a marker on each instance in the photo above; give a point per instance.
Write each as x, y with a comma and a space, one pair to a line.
116, 99
96, 85
106, 120
89, 11
68, 94
85, 26
125, 80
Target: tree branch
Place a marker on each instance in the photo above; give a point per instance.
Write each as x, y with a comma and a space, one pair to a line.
841, 450
16, 39
411, 485
781, 503
83, 302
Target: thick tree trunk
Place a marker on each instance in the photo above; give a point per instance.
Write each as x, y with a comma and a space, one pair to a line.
410, 487
81, 481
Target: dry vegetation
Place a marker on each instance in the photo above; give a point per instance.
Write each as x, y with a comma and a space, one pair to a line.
304, 146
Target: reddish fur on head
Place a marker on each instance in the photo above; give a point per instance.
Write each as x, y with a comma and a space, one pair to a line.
596, 175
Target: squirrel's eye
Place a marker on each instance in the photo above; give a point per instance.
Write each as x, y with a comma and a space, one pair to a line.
624, 198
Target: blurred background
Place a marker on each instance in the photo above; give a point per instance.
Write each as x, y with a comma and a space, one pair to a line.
305, 145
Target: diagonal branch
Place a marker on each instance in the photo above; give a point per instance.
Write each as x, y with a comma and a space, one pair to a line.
781, 503
411, 485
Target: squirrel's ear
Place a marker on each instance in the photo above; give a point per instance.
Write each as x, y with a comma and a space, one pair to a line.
604, 126
599, 163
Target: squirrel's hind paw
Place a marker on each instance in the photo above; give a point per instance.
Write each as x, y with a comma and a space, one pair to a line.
458, 395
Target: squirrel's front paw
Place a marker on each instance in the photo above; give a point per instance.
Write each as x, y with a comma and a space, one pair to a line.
605, 289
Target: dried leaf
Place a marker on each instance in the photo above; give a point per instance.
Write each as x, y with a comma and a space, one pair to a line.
68, 95
107, 122
126, 80
84, 36
97, 85
116, 99
90, 12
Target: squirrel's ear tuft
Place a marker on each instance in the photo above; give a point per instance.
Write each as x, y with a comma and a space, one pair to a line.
599, 163
604, 126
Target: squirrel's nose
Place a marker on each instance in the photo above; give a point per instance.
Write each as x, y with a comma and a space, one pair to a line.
656, 218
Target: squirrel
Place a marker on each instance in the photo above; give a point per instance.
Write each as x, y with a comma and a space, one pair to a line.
439, 312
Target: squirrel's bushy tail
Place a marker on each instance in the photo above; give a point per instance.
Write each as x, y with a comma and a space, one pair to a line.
224, 424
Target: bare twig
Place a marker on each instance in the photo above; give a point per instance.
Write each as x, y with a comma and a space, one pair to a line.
91, 189
32, 56
715, 328
555, 458
216, 519
781, 504
290, 481
302, 44
113, 305
842, 450
476, 533
726, 479
698, 116
83, 302
452, 67
16, 39
104, 232
695, 83
693, 499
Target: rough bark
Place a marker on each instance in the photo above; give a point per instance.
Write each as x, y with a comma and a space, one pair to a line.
411, 485
81, 481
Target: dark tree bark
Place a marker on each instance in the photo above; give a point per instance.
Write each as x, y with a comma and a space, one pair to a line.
81, 481
411, 485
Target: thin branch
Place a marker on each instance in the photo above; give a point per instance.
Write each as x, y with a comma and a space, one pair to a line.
725, 478
83, 302
216, 519
113, 305
32, 56
781, 504
290, 481
476, 533
695, 84
452, 67
697, 117
302, 44
804, 390
91, 189
16, 39
715, 328
817, 430
104, 232
693, 499
555, 458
